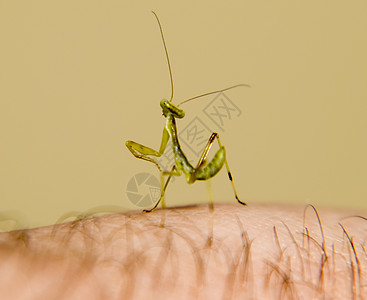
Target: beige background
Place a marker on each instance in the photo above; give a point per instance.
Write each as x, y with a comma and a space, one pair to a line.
78, 78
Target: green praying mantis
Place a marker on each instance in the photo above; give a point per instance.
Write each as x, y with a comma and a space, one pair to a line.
204, 169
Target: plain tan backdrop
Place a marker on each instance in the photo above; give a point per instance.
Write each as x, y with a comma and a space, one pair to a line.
78, 78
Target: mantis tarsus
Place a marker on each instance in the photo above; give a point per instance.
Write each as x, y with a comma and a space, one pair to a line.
204, 170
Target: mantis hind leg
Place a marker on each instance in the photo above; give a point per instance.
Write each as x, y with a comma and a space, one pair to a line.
205, 171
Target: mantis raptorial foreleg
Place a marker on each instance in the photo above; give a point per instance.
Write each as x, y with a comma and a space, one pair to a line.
142, 152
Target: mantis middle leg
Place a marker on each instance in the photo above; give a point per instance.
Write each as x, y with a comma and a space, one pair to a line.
173, 172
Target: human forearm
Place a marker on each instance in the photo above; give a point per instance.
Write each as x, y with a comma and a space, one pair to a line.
258, 251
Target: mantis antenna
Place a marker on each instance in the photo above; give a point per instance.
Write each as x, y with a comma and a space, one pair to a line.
170, 71
206, 94
165, 49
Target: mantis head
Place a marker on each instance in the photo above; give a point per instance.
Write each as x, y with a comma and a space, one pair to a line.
168, 108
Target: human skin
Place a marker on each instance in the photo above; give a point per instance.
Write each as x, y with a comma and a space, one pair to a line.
236, 252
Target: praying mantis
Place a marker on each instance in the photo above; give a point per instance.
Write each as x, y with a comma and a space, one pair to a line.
204, 169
